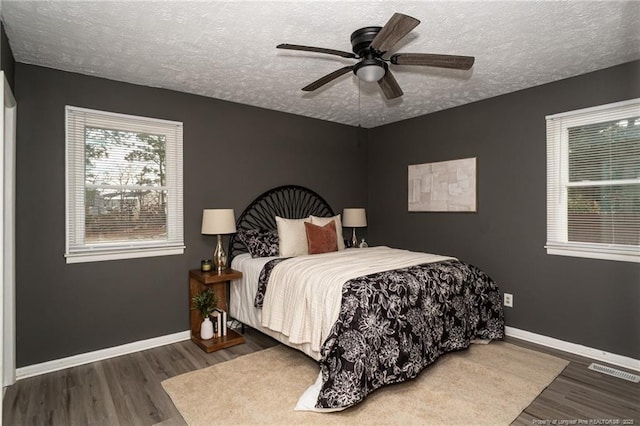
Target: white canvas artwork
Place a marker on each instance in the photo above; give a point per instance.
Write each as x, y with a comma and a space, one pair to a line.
446, 186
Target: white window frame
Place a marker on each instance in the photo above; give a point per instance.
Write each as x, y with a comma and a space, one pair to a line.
76, 251
558, 182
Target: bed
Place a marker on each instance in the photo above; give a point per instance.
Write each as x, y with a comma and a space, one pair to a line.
370, 317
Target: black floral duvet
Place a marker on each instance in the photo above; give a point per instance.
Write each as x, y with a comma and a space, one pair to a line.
393, 324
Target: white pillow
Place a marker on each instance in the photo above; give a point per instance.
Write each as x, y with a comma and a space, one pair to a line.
322, 221
292, 236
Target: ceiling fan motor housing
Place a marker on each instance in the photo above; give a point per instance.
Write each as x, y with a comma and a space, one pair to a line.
362, 38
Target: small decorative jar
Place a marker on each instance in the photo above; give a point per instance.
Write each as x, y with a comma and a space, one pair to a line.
205, 265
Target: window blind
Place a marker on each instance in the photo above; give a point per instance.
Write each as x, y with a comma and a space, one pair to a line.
593, 181
124, 185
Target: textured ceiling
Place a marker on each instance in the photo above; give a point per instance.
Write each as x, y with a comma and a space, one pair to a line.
226, 49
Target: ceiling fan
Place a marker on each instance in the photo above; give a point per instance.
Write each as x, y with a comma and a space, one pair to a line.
370, 44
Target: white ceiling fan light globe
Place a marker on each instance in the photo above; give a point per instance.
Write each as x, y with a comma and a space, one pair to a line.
370, 73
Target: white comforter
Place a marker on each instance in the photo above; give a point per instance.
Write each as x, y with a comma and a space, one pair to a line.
304, 293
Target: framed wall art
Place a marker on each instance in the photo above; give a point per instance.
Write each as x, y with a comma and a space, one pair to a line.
446, 186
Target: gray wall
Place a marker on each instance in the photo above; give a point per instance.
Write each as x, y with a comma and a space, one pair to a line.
586, 301
232, 153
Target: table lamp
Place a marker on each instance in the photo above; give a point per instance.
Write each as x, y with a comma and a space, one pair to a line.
355, 218
218, 222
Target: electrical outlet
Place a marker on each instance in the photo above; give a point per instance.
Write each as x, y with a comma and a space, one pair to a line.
508, 300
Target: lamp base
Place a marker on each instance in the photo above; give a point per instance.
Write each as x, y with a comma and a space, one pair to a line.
354, 239
220, 256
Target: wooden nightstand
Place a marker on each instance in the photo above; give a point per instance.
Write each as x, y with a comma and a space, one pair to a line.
199, 281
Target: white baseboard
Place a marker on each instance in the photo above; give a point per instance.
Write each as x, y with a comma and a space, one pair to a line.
86, 358
596, 354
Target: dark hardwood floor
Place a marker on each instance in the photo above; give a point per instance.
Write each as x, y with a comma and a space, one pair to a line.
126, 390
579, 396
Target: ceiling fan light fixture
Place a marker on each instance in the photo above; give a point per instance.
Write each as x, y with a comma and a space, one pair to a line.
370, 70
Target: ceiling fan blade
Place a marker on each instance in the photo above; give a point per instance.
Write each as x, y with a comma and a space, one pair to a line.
327, 78
395, 29
390, 86
431, 60
316, 49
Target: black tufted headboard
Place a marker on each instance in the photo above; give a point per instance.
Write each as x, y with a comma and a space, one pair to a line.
289, 201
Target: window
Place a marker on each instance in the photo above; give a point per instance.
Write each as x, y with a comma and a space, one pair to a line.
124, 186
593, 182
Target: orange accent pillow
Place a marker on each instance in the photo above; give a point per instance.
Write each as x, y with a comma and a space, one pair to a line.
321, 239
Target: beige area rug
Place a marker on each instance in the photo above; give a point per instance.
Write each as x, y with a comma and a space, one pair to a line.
485, 384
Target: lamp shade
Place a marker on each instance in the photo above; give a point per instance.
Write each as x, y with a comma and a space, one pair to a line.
355, 218
218, 221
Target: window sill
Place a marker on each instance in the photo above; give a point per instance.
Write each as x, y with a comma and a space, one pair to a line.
122, 254
604, 253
